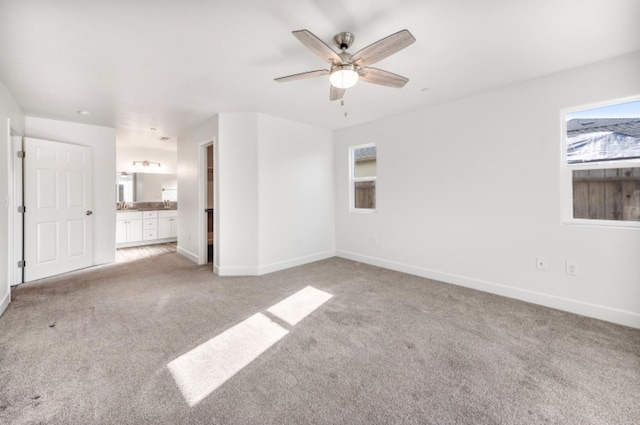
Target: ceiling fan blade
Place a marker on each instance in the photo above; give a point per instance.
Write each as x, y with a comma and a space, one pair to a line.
302, 75
317, 46
384, 78
382, 48
336, 93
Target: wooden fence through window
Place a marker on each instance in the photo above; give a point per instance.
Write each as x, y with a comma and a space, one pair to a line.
607, 194
365, 194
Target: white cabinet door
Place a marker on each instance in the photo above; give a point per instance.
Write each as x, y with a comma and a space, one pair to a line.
164, 227
174, 227
167, 224
134, 233
121, 231
128, 227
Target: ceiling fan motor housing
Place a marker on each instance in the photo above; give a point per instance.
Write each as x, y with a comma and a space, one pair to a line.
344, 40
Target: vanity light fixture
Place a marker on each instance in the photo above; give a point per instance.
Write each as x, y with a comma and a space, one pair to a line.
146, 163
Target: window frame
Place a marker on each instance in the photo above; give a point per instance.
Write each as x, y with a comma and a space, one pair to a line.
566, 171
353, 180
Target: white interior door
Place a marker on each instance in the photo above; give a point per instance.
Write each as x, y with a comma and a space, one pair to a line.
58, 208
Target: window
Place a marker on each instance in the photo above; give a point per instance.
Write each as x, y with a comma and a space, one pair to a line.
601, 164
362, 181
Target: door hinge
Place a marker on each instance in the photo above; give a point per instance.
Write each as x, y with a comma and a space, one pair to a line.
21, 264
21, 154
22, 209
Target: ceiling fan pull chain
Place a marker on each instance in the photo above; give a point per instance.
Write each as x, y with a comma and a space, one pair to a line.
345, 109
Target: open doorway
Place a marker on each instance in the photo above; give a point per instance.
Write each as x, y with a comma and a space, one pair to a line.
207, 203
210, 207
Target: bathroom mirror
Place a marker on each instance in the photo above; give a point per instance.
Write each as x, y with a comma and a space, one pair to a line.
146, 187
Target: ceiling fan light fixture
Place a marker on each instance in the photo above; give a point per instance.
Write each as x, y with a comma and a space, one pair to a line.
343, 76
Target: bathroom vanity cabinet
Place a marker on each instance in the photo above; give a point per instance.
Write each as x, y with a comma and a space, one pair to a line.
145, 227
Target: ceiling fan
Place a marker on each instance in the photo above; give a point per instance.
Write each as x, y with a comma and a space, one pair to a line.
346, 69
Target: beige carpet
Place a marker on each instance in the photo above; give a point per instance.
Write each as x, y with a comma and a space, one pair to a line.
92, 347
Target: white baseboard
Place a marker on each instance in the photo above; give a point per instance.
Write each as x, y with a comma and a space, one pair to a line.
190, 255
143, 243
622, 317
237, 271
294, 262
4, 303
273, 267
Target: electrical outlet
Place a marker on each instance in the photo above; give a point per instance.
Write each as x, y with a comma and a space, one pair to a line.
374, 239
571, 268
541, 263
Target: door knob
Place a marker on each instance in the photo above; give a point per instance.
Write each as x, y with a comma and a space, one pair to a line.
89, 212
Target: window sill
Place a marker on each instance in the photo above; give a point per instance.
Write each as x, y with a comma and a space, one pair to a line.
363, 210
610, 224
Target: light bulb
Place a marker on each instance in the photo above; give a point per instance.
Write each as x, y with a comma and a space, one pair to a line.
343, 76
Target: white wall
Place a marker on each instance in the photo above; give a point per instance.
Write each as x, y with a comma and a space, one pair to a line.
469, 193
10, 116
190, 216
295, 184
125, 155
236, 210
273, 193
236, 197
102, 142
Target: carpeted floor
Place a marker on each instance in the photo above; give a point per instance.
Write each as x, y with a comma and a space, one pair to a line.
92, 347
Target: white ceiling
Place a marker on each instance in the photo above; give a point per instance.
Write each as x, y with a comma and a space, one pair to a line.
168, 64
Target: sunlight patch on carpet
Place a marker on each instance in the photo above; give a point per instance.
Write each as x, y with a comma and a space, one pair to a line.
202, 370
296, 307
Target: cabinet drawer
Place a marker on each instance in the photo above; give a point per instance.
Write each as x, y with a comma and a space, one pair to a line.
150, 223
150, 234
149, 214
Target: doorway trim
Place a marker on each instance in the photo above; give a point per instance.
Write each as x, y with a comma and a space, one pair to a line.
202, 203
5, 291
